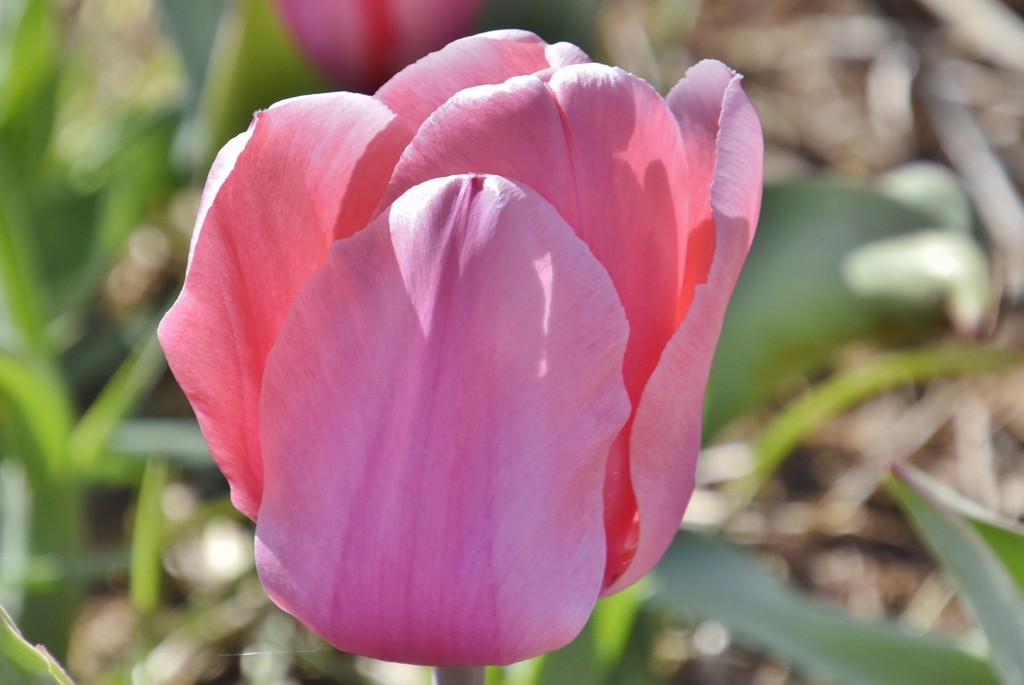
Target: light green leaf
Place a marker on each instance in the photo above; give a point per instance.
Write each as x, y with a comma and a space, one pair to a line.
192, 24
928, 266
23, 664
933, 189
28, 52
988, 588
701, 578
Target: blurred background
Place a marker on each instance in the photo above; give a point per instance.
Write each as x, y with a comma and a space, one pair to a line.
878, 322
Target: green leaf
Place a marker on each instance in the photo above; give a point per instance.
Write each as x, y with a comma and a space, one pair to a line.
791, 297
24, 297
192, 24
569, 20
135, 377
701, 578
23, 664
138, 174
177, 440
39, 405
79, 251
612, 621
933, 189
1008, 543
148, 540
990, 591
855, 385
928, 266
1005, 537
29, 46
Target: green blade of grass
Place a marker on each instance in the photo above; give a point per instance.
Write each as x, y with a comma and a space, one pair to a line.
22, 287
147, 540
29, 45
1005, 537
990, 591
38, 402
701, 578
855, 385
131, 381
23, 664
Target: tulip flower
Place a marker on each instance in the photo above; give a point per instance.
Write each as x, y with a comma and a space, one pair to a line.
449, 343
360, 43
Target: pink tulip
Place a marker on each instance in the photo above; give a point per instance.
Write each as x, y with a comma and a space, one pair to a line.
449, 343
360, 43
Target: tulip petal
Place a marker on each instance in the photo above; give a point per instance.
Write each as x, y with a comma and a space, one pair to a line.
487, 58
276, 199
361, 43
602, 146
436, 417
665, 440
341, 38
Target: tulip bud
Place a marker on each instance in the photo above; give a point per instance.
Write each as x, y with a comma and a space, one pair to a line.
362, 43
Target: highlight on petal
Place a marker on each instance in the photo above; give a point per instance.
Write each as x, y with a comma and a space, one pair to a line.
665, 440
487, 58
276, 200
436, 416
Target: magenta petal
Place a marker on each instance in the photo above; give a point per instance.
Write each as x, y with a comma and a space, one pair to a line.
488, 58
665, 440
362, 42
436, 416
276, 198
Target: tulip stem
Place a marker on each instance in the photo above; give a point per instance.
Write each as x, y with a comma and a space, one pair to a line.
460, 675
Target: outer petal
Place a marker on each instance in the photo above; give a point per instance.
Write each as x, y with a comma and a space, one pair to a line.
487, 58
666, 430
437, 412
605, 150
307, 172
361, 43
